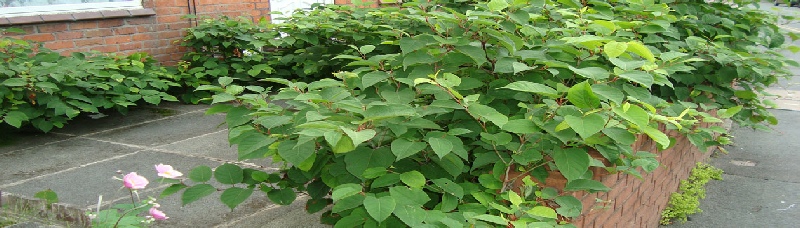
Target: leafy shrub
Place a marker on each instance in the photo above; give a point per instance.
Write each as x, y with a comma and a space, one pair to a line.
481, 102
303, 48
41, 87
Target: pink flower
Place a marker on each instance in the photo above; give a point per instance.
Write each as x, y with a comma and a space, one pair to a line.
156, 214
134, 181
167, 171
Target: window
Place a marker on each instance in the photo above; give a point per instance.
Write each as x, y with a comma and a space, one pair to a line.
13, 8
286, 7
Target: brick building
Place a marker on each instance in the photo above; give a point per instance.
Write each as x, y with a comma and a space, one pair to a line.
125, 26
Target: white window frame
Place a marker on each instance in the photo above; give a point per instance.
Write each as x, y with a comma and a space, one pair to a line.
288, 13
68, 8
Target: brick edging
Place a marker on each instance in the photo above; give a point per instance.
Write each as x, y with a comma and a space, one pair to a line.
634, 202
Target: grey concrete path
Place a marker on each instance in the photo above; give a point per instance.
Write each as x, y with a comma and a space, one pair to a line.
79, 161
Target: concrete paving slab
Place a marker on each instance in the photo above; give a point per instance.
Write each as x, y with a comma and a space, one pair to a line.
166, 130
213, 145
738, 201
12, 140
178, 106
90, 123
82, 186
773, 154
98, 179
51, 158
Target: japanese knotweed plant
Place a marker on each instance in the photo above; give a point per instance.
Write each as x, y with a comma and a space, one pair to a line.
42, 88
431, 134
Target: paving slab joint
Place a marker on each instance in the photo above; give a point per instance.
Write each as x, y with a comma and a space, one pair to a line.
58, 213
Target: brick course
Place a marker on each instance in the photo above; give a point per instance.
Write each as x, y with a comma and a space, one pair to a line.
637, 202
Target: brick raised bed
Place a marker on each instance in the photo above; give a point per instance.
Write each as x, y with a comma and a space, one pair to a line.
634, 202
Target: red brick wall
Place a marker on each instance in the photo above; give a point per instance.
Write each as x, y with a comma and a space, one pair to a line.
156, 34
634, 202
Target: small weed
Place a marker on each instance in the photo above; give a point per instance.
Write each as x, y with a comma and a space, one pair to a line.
687, 200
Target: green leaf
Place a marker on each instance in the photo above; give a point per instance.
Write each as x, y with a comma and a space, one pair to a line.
411, 215
366, 49
658, 136
373, 77
543, 212
595, 73
581, 95
252, 144
418, 57
344, 145
404, 96
488, 113
196, 192
409, 44
614, 49
352, 220
586, 184
532, 87
635, 114
497, 5
745, 94
409, 196
238, 116
440, 146
234, 196
172, 189
225, 81
316, 205
379, 208
627, 64
283, 196
521, 126
345, 190
641, 77
620, 135
229, 174
402, 148
348, 203
376, 112
609, 93
492, 218
641, 50
728, 113
48, 195
572, 162
15, 82
477, 54
413, 179
569, 206
385, 180
359, 137
586, 126
450, 187
364, 158
294, 153
528, 156
15, 118
200, 174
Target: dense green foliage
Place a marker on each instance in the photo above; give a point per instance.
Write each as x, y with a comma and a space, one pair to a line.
43, 88
687, 200
448, 113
